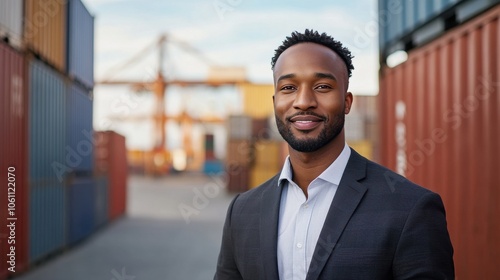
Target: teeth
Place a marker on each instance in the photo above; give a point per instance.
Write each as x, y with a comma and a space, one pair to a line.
304, 121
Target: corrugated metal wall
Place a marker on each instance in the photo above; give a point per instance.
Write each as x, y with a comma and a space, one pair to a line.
404, 24
111, 162
11, 21
79, 145
81, 209
440, 127
45, 30
80, 44
47, 160
13, 154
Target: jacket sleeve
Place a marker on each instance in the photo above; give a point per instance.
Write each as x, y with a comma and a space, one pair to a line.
226, 264
424, 250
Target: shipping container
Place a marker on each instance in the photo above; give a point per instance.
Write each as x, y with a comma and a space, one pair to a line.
80, 44
79, 145
111, 161
440, 128
213, 167
101, 201
48, 154
45, 30
407, 24
49, 160
239, 127
259, 175
81, 203
257, 100
11, 22
267, 155
239, 152
13, 154
47, 218
238, 178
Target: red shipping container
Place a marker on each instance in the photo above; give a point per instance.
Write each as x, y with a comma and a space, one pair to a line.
440, 128
13, 159
111, 161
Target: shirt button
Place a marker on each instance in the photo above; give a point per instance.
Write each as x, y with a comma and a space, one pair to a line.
299, 245
306, 205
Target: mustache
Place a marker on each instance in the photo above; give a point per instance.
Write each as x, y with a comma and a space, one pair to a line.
306, 114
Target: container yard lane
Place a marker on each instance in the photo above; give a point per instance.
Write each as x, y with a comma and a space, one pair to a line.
153, 240
11, 218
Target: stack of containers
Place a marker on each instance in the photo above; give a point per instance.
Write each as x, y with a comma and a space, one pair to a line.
13, 161
82, 191
239, 151
46, 54
268, 148
440, 128
211, 165
111, 165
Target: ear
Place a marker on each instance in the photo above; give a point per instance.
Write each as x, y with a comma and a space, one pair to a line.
348, 102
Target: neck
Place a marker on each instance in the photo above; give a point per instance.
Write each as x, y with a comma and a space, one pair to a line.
308, 166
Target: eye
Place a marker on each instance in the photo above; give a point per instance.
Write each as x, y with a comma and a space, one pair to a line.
323, 86
287, 88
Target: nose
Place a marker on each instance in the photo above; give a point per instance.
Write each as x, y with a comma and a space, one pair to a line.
305, 99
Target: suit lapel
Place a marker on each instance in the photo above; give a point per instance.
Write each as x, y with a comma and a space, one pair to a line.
348, 196
269, 215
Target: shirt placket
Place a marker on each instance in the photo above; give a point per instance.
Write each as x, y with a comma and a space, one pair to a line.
300, 240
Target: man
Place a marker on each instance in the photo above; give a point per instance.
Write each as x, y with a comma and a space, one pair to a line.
330, 213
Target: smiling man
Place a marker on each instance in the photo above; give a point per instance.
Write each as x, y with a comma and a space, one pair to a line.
330, 213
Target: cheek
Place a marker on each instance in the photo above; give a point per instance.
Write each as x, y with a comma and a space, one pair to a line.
282, 104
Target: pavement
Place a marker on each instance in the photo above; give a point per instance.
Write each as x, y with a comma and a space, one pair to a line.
172, 230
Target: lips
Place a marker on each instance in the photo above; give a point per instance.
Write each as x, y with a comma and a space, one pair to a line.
305, 122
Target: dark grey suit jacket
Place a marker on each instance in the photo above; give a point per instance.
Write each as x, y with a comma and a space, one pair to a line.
379, 226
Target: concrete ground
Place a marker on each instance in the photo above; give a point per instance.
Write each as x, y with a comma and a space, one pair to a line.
172, 230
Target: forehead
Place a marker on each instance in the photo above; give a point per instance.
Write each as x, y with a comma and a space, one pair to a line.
310, 57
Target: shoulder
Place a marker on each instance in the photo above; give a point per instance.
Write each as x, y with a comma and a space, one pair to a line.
380, 181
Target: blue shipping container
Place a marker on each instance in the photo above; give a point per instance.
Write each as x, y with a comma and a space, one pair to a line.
81, 209
80, 43
79, 147
47, 218
213, 167
47, 123
101, 201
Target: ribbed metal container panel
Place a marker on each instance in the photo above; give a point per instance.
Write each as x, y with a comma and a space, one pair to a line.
111, 161
81, 208
239, 127
80, 43
11, 21
47, 123
404, 25
47, 218
257, 100
440, 127
79, 111
13, 153
101, 200
45, 30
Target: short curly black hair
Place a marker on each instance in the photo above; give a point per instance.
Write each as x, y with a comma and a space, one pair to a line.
311, 36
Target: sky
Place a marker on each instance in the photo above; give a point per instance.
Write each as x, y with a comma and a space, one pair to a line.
241, 33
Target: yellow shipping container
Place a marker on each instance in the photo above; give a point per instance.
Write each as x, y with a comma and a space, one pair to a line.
45, 30
268, 154
363, 147
258, 100
260, 175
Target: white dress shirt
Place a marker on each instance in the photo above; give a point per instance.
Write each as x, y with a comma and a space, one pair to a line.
301, 219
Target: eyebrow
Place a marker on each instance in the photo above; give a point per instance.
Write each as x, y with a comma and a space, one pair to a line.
325, 75
316, 75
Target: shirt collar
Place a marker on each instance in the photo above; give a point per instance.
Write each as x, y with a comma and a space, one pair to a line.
331, 174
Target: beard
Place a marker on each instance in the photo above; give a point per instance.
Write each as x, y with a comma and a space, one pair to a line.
326, 135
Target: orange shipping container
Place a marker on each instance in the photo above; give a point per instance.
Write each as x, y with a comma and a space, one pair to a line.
45, 30
440, 128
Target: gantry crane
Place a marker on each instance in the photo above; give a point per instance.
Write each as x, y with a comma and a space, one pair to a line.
159, 85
